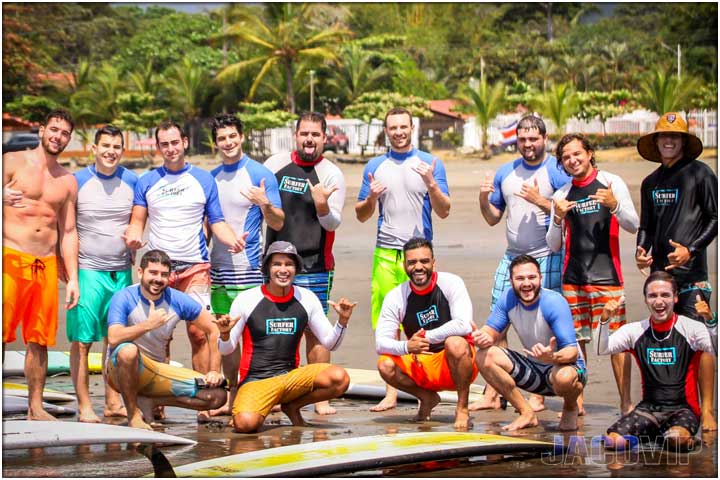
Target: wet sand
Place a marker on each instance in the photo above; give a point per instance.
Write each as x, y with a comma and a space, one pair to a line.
464, 245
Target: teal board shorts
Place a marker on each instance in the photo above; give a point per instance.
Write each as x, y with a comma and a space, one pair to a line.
87, 322
387, 273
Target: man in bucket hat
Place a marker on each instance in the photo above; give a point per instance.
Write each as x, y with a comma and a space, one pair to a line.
271, 320
678, 220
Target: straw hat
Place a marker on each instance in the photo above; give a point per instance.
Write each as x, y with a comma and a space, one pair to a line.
670, 122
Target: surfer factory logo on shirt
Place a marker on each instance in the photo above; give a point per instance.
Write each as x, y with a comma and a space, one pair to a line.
661, 356
665, 196
586, 206
172, 191
293, 185
427, 316
280, 326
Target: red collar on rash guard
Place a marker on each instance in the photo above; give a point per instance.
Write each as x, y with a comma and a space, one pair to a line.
428, 289
275, 299
299, 161
664, 326
590, 178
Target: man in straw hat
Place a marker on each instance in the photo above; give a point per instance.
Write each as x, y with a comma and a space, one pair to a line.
678, 220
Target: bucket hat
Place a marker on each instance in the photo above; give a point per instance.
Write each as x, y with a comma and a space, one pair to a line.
282, 247
670, 122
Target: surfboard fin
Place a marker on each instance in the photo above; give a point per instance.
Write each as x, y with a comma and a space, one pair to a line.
161, 465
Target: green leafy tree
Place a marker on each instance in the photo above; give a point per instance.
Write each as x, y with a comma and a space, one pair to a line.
485, 102
660, 92
374, 105
357, 73
32, 108
283, 38
559, 104
137, 114
604, 105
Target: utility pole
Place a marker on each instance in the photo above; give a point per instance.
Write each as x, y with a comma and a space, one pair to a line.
312, 90
679, 55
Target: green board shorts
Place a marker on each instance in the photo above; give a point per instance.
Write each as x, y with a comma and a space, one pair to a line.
387, 273
87, 322
222, 296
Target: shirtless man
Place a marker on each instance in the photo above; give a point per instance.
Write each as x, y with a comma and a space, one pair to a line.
38, 223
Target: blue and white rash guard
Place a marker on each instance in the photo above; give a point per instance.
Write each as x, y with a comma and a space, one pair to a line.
177, 203
548, 317
404, 207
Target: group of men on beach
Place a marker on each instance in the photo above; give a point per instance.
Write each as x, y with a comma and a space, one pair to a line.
247, 310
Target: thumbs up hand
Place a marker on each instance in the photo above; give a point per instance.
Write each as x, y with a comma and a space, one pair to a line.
702, 308
376, 187
156, 317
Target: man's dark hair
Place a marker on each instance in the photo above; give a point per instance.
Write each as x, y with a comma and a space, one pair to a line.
60, 114
397, 111
569, 138
532, 122
660, 276
110, 130
168, 125
223, 120
521, 260
314, 117
418, 242
155, 256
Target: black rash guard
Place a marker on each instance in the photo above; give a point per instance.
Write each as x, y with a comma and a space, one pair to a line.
679, 203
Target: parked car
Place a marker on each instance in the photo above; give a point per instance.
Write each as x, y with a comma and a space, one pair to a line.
21, 141
337, 140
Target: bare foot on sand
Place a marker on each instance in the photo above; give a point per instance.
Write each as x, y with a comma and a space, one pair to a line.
217, 412
324, 408
385, 404
523, 421
115, 411
203, 416
709, 424
486, 403
568, 420
40, 415
626, 409
426, 405
537, 402
139, 423
581, 413
462, 420
294, 415
88, 416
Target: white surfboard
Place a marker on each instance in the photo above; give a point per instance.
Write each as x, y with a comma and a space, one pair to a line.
19, 405
49, 395
369, 384
27, 434
358, 453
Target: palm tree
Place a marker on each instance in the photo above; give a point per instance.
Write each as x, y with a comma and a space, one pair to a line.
558, 104
546, 70
356, 74
615, 53
486, 102
188, 87
94, 101
662, 92
284, 35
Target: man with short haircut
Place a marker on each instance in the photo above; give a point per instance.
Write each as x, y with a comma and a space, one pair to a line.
678, 220
406, 185
248, 193
39, 198
435, 312
587, 214
141, 321
667, 347
552, 364
523, 188
174, 200
271, 320
312, 191
105, 200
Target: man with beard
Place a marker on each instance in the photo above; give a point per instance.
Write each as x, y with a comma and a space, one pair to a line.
141, 321
588, 212
435, 312
39, 199
105, 199
312, 192
678, 220
552, 364
271, 320
523, 188
667, 347
407, 185
248, 194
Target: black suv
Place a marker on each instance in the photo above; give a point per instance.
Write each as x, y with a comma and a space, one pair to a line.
21, 141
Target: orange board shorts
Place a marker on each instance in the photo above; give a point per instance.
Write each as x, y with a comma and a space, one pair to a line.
30, 297
195, 281
430, 372
587, 303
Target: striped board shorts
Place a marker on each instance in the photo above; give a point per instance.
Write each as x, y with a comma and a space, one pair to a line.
319, 283
533, 376
587, 303
550, 269
227, 283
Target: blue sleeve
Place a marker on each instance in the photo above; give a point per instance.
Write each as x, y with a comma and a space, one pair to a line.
183, 304
371, 167
556, 173
121, 304
258, 172
440, 176
129, 177
497, 199
212, 202
141, 188
499, 319
556, 312
82, 176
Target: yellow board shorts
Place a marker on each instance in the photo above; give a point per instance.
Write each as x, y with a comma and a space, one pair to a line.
429, 371
158, 379
260, 396
30, 297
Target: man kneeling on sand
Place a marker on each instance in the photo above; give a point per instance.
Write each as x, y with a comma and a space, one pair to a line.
141, 320
271, 320
552, 364
435, 311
